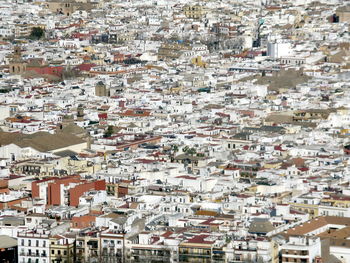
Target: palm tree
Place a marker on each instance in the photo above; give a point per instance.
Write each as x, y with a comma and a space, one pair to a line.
185, 149
174, 150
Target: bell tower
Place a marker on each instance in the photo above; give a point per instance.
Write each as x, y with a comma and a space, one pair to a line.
17, 65
80, 113
17, 52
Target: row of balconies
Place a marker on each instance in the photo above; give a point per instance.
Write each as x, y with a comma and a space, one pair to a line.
26, 254
153, 253
295, 260
296, 252
33, 235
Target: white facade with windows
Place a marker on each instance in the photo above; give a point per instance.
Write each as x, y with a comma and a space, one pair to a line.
33, 247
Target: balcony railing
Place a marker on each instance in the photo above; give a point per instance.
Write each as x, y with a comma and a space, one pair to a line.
33, 254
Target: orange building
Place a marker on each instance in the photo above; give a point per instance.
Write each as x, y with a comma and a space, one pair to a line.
55, 190
83, 221
12, 204
4, 186
80, 189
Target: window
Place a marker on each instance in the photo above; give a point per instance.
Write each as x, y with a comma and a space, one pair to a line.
52, 252
29, 243
65, 252
22, 242
59, 252
37, 243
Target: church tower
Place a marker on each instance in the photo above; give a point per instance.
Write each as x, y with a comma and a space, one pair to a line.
17, 65
80, 113
101, 90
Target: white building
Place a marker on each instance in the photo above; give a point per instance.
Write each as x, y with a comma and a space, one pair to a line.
278, 49
33, 246
301, 249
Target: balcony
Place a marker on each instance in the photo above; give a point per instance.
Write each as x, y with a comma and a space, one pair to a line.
152, 258
299, 260
151, 254
289, 253
30, 254
188, 255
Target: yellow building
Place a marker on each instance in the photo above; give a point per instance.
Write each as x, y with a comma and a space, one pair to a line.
176, 89
197, 61
344, 14
343, 111
112, 189
193, 11
88, 247
312, 210
67, 7
172, 51
312, 114
342, 201
75, 166
344, 131
272, 165
59, 168
89, 50
62, 249
200, 249
274, 252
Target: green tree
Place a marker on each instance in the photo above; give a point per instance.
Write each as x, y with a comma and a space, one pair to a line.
69, 73
185, 149
37, 33
108, 133
174, 149
191, 151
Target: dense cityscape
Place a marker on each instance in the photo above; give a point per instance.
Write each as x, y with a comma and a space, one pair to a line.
174, 131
